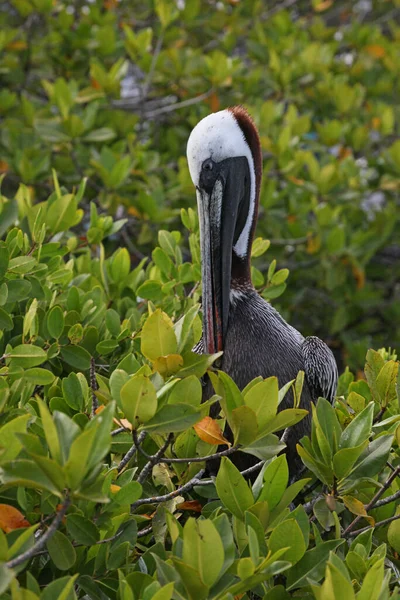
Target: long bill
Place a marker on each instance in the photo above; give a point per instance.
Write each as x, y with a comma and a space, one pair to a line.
221, 214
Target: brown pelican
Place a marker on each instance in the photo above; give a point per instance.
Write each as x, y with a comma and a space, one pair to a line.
225, 163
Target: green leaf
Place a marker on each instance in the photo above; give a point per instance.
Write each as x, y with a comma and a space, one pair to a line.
62, 213
344, 459
77, 357
244, 425
173, 417
82, 530
393, 535
276, 477
72, 391
9, 442
60, 589
6, 577
373, 459
386, 382
288, 535
61, 551
195, 588
138, 400
197, 364
372, 584
27, 473
128, 494
233, 489
27, 355
186, 391
50, 432
263, 400
158, 336
285, 418
55, 322
113, 322
6, 322
203, 549
359, 429
312, 566
337, 584
80, 457
39, 376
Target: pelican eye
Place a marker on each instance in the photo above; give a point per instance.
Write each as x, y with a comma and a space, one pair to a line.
208, 165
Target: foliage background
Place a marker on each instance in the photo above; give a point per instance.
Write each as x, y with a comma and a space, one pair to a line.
99, 292
111, 91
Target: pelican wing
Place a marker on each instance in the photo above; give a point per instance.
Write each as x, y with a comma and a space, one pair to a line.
320, 368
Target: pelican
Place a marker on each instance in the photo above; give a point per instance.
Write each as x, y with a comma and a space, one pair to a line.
225, 164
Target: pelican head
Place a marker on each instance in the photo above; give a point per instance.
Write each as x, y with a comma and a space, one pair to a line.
224, 157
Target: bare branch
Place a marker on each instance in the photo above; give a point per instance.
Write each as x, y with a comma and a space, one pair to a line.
153, 460
277, 8
154, 59
131, 452
181, 490
379, 524
117, 431
194, 459
248, 471
177, 105
285, 436
145, 531
93, 386
43, 539
379, 415
374, 500
387, 500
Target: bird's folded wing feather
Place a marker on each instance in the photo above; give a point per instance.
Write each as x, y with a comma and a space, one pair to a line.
320, 368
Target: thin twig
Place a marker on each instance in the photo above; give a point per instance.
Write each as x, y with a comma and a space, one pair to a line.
177, 105
379, 524
374, 500
285, 436
379, 415
131, 452
119, 430
93, 386
309, 506
387, 500
194, 459
277, 8
145, 531
153, 460
156, 53
181, 490
43, 539
248, 471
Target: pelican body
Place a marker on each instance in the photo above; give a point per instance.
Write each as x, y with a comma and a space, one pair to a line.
225, 164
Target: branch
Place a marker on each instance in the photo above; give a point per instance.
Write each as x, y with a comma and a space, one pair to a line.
374, 500
194, 459
387, 500
154, 59
117, 431
177, 105
277, 8
145, 531
153, 460
93, 386
285, 436
131, 452
248, 471
157, 499
379, 524
379, 415
38, 545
